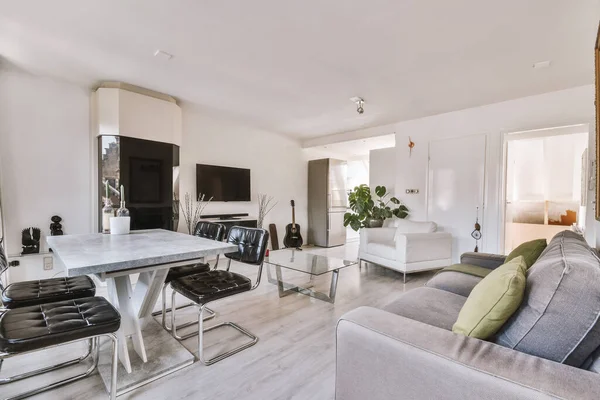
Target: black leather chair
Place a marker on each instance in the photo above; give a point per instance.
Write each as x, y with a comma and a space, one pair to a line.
209, 286
32, 328
207, 230
30, 293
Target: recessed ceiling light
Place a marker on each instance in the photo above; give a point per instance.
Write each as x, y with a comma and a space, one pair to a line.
542, 64
163, 54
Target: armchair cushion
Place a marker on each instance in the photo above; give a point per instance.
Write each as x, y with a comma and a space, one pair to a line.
417, 247
407, 226
384, 250
378, 235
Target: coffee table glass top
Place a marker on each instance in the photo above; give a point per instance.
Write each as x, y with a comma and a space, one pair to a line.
306, 262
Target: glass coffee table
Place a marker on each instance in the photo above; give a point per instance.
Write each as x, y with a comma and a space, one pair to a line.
312, 264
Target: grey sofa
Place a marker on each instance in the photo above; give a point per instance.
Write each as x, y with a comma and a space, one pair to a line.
408, 350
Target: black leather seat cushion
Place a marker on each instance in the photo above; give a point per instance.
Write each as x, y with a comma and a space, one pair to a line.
251, 243
212, 285
35, 327
186, 270
30, 293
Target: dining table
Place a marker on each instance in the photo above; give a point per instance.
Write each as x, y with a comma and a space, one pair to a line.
146, 351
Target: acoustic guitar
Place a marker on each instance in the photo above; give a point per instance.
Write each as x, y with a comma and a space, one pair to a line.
292, 231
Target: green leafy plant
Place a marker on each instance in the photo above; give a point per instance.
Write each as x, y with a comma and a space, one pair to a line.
365, 209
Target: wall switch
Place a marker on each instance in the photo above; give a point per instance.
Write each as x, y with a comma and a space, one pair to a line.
412, 191
48, 263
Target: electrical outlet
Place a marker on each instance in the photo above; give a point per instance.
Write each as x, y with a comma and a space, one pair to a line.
48, 263
412, 191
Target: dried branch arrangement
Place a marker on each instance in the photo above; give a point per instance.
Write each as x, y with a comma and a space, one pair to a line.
192, 210
265, 205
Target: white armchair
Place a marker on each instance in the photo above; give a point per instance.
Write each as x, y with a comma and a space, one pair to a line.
406, 246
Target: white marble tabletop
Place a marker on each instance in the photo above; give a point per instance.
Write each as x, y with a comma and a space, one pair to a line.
97, 253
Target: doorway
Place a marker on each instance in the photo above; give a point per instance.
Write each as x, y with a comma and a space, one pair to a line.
545, 185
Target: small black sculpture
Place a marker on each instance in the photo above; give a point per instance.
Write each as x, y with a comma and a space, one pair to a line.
30, 237
55, 226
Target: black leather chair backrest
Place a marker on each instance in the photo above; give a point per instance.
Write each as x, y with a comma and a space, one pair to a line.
210, 230
251, 243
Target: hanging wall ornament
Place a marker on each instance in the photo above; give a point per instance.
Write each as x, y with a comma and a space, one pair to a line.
411, 145
476, 234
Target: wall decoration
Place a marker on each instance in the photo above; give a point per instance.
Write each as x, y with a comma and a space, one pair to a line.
56, 226
191, 210
30, 238
265, 205
476, 234
411, 145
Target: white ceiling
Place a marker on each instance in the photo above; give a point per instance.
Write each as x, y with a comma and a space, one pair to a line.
291, 66
352, 149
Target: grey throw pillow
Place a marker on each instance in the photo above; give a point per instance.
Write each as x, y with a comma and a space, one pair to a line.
558, 318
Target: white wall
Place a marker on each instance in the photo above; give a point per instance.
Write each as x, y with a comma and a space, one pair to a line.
561, 108
277, 163
46, 159
382, 168
44, 154
136, 115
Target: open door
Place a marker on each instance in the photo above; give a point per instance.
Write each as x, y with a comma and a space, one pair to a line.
544, 178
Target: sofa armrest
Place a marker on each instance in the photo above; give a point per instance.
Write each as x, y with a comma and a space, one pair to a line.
379, 235
381, 356
417, 247
486, 260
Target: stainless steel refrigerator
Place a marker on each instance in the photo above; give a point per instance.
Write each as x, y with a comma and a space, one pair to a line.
327, 202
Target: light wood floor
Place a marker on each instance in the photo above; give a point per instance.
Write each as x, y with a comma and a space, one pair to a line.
294, 359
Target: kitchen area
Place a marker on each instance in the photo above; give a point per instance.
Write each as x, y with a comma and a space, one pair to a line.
333, 171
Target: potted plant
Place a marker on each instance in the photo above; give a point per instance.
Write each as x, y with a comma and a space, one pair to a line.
370, 213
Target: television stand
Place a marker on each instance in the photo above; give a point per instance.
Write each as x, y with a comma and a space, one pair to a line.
230, 220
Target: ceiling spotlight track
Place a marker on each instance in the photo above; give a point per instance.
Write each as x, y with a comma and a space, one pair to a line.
360, 103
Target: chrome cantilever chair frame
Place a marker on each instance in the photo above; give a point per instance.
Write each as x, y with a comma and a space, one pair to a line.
165, 309
93, 350
201, 309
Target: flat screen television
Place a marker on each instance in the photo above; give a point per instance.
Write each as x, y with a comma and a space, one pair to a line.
223, 183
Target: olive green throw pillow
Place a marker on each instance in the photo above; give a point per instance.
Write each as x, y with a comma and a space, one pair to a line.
531, 251
493, 300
